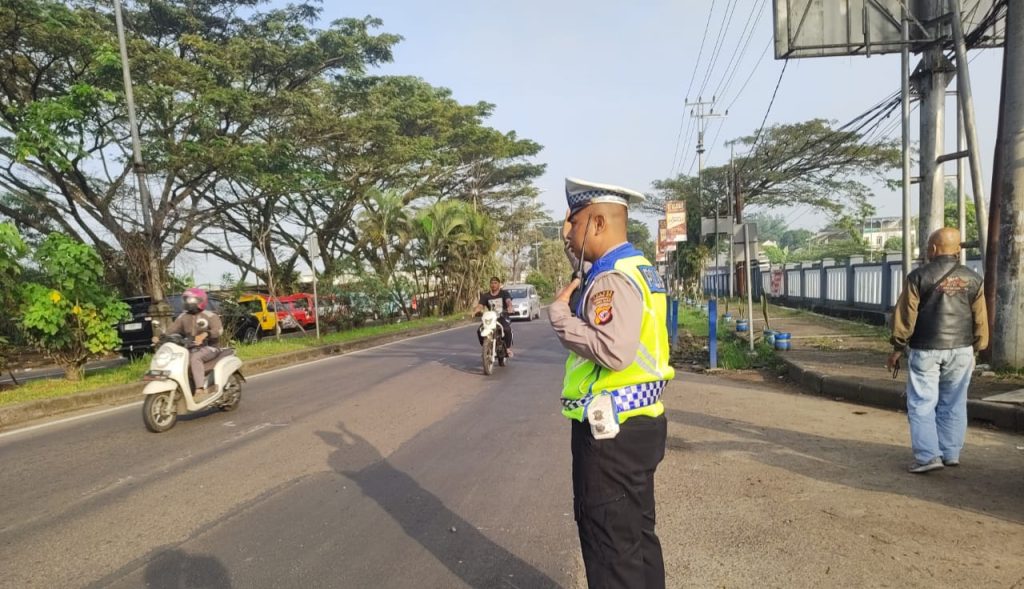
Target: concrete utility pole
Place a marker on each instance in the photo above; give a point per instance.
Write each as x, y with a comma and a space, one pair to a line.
1008, 335
698, 113
932, 76
158, 307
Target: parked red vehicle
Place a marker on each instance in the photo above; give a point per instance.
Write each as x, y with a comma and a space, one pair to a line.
301, 306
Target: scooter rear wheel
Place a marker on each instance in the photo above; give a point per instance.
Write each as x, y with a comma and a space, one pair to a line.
159, 413
232, 393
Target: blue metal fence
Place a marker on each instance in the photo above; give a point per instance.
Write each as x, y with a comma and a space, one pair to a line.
854, 288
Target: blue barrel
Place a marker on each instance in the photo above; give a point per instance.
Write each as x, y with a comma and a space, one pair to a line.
742, 325
782, 341
769, 337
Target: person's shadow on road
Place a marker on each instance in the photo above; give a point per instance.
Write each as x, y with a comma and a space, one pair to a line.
176, 569
453, 541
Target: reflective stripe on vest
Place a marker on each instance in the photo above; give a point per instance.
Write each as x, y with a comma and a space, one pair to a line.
651, 368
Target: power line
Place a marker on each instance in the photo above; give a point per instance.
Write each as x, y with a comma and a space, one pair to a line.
727, 16
752, 72
737, 53
696, 64
757, 137
677, 153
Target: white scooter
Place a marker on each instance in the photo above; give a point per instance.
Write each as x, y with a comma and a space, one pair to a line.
493, 345
168, 392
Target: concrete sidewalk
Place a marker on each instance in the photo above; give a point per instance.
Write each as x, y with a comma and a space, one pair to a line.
846, 360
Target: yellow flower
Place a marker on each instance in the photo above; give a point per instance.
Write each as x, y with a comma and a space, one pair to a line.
76, 310
54, 296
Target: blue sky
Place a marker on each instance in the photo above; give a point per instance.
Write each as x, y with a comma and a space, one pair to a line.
601, 85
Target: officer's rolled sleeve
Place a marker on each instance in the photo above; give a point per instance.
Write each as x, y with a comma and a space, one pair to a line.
609, 331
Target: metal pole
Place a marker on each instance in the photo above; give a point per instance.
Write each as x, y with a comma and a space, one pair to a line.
316, 303
905, 86
732, 227
966, 99
1008, 335
961, 193
750, 283
140, 173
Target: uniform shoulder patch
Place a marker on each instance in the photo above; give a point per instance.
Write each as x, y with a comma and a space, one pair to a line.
602, 302
652, 278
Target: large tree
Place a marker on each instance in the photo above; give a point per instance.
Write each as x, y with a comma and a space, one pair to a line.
808, 164
213, 82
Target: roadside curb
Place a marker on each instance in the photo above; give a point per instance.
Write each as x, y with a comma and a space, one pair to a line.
890, 395
126, 393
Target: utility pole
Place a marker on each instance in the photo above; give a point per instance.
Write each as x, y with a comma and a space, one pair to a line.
699, 113
158, 308
1008, 334
932, 77
732, 230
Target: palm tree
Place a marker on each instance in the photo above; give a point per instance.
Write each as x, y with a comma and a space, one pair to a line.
385, 230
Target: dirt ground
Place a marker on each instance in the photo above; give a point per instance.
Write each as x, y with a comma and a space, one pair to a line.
764, 487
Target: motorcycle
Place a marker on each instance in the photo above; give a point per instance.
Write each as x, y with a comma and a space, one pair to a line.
168, 391
492, 336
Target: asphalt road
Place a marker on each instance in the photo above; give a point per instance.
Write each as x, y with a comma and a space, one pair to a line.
403, 466
399, 466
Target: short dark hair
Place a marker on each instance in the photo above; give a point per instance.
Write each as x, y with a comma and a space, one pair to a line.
495, 279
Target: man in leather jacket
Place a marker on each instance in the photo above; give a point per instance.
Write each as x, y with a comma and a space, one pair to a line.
940, 321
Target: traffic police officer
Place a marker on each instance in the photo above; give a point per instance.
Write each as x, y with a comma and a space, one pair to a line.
618, 367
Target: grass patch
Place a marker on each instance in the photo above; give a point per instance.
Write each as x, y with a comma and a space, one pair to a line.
133, 371
733, 349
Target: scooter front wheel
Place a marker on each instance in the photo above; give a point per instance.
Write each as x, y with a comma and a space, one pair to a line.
487, 353
159, 413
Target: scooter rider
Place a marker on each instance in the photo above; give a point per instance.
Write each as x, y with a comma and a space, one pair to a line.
205, 329
496, 300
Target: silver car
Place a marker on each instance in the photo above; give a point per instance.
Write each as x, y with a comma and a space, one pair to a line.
525, 301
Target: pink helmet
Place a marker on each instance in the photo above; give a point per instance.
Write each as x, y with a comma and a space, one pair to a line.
194, 300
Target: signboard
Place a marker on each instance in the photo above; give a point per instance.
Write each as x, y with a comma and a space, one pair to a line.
662, 245
738, 235
675, 219
707, 225
824, 28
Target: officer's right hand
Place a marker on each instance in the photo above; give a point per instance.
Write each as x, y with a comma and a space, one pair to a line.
566, 293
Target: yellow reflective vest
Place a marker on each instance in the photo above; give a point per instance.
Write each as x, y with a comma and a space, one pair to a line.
641, 381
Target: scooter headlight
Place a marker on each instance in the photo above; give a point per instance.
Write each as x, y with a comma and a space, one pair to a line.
164, 356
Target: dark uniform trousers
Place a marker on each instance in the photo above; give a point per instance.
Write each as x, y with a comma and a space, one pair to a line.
613, 501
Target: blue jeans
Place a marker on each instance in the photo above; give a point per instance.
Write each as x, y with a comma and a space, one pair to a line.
937, 382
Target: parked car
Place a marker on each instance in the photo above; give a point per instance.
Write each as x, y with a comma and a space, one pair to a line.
137, 333
525, 301
259, 306
301, 306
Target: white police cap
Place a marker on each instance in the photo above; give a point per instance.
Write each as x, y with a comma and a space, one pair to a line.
581, 193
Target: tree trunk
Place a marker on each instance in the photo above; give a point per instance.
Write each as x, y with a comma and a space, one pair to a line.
74, 371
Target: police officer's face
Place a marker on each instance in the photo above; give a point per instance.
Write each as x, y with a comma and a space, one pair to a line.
574, 229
